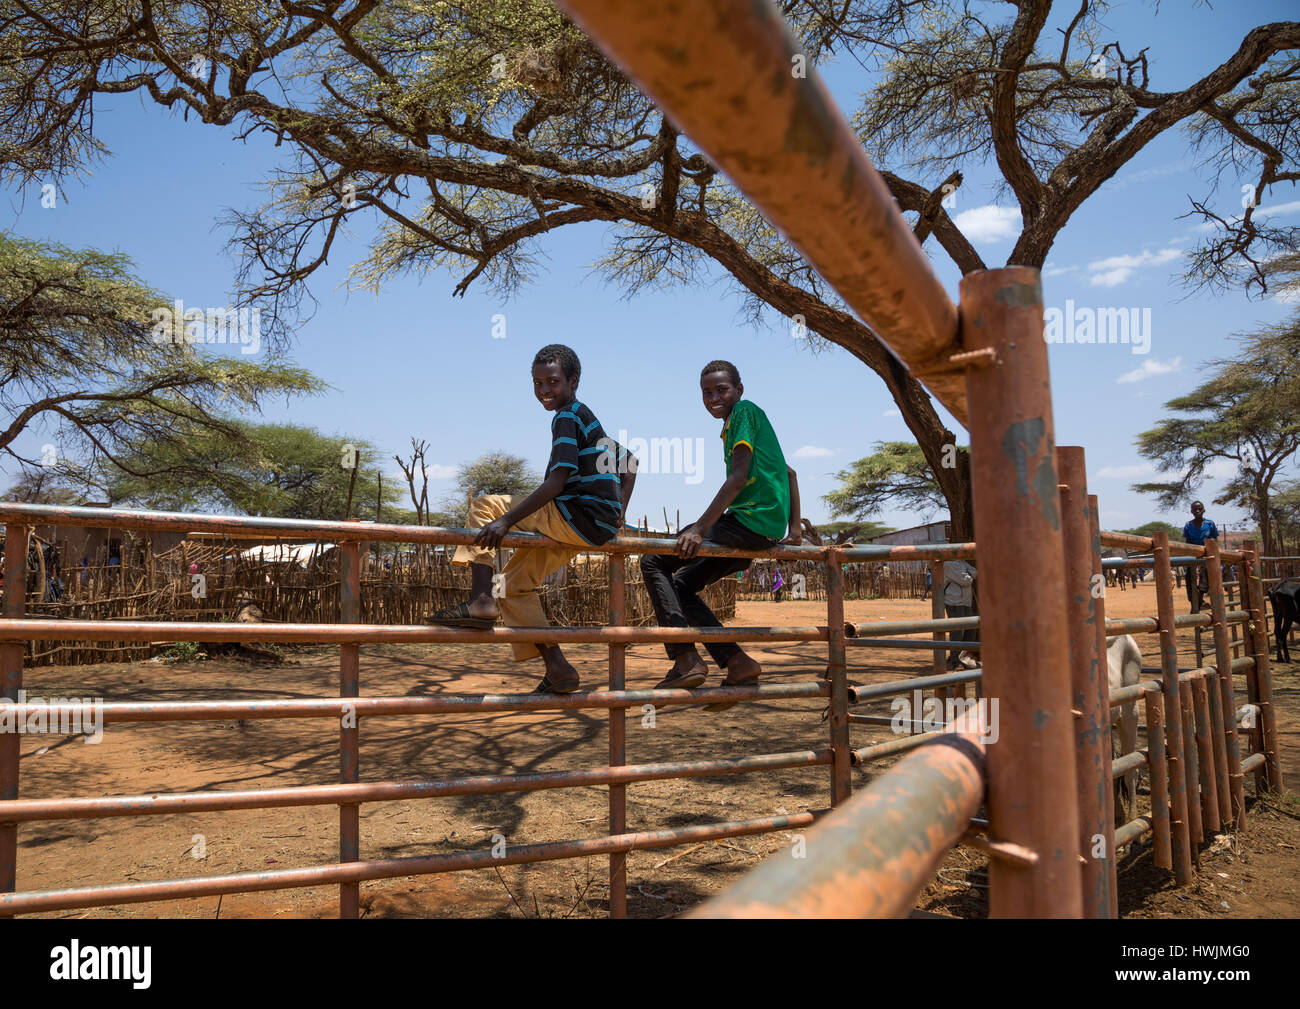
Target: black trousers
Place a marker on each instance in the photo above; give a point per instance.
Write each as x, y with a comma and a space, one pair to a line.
674, 583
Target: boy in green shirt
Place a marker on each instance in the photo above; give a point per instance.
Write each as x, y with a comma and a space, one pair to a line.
756, 506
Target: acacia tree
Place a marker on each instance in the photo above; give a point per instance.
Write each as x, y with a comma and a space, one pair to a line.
896, 475
279, 470
1247, 412
491, 473
472, 129
78, 352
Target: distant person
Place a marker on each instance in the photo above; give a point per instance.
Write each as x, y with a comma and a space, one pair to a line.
1196, 532
959, 601
926, 594
778, 583
756, 506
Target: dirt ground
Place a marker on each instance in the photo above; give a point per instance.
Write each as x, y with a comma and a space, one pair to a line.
1254, 873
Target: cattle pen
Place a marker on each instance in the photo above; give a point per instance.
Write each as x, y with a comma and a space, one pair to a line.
1045, 781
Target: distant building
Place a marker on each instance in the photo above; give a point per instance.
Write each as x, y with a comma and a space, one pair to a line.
931, 532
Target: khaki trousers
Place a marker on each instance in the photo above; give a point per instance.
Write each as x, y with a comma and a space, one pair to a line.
521, 606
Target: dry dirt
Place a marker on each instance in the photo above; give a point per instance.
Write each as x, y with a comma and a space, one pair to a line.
1251, 874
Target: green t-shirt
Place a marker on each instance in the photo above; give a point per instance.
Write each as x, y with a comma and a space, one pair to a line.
763, 504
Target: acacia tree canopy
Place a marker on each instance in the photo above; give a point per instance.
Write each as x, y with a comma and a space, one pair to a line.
278, 470
470, 130
896, 475
1248, 413
78, 351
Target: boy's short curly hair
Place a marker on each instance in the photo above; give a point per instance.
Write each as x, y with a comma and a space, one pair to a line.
732, 371
558, 353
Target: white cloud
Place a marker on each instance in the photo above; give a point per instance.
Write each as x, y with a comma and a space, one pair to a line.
891, 413
1278, 210
440, 472
1051, 270
1151, 367
1127, 472
813, 452
1115, 270
989, 223
1221, 469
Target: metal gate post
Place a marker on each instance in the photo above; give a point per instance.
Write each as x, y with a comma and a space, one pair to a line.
841, 766
11, 668
1174, 738
617, 739
349, 727
1261, 679
1032, 798
1099, 630
1090, 686
1230, 776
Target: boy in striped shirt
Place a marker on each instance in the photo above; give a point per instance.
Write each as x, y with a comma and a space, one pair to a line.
580, 503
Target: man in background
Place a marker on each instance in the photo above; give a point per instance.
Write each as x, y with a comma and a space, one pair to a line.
959, 601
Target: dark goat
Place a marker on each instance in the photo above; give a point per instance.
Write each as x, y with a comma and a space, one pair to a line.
1286, 610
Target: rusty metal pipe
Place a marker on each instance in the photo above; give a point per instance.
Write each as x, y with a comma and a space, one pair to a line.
836, 671
1263, 680
872, 856
1133, 693
1192, 763
1099, 631
863, 755
1174, 739
336, 531
1032, 779
140, 630
380, 707
11, 681
349, 728
883, 628
860, 694
617, 740
938, 646
1154, 703
356, 872
1205, 757
1132, 830
23, 810
1089, 683
723, 73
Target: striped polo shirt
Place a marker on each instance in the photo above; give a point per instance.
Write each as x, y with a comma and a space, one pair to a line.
591, 499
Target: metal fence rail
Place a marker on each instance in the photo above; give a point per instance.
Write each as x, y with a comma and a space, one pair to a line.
722, 72
350, 792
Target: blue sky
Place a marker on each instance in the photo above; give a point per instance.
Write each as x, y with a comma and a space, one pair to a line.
417, 361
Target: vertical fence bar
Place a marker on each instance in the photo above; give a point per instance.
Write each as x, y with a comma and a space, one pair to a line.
1154, 703
1032, 796
1173, 711
841, 768
1089, 685
617, 738
1205, 756
1262, 676
349, 729
1192, 762
11, 668
1231, 792
1232, 601
1099, 617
